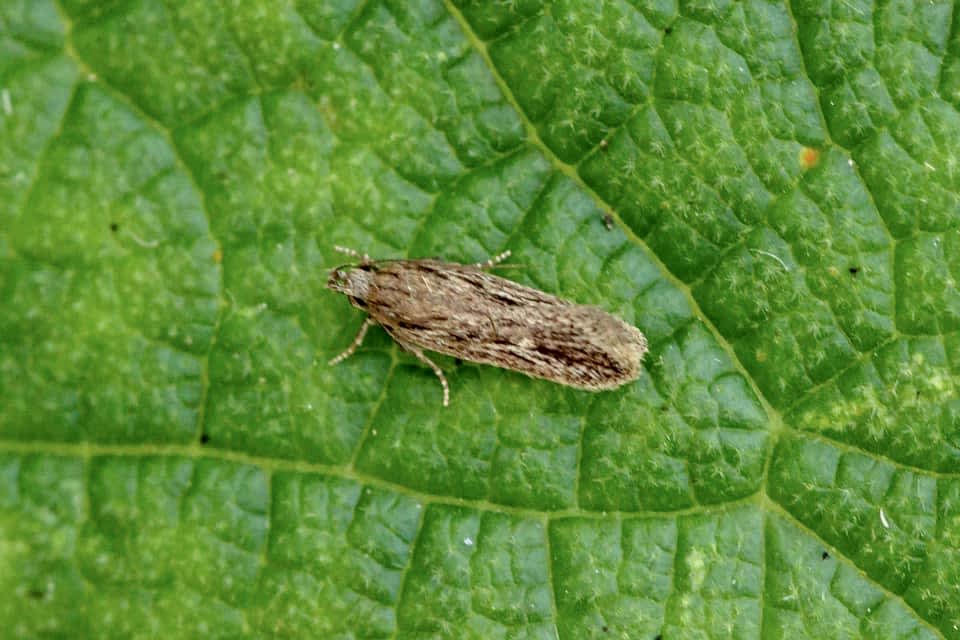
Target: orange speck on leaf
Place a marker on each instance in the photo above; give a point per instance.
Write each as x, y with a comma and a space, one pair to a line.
809, 157
218, 256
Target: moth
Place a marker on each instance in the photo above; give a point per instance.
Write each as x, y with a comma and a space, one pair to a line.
462, 311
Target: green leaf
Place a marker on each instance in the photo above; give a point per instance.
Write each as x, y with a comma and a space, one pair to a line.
770, 191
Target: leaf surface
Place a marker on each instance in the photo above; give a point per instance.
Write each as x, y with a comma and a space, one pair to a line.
770, 191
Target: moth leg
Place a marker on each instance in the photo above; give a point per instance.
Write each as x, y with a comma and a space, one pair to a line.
369, 322
353, 253
421, 356
495, 260
417, 351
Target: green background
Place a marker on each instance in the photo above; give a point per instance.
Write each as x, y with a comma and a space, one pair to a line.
781, 187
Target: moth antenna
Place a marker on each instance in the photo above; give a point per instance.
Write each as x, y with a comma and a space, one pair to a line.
494, 261
512, 265
353, 253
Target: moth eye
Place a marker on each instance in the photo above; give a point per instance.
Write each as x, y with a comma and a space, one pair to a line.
337, 278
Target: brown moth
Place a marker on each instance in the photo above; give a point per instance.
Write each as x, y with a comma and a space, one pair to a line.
462, 311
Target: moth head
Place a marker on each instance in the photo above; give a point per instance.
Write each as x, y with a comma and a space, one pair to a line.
351, 280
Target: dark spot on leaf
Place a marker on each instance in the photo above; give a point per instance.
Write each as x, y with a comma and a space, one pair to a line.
204, 438
36, 594
854, 270
824, 555
605, 628
659, 637
664, 408
114, 226
608, 221
457, 361
668, 30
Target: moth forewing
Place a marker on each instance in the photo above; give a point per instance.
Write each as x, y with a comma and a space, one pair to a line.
461, 311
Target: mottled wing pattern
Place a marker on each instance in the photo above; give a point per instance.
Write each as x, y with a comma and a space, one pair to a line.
467, 313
